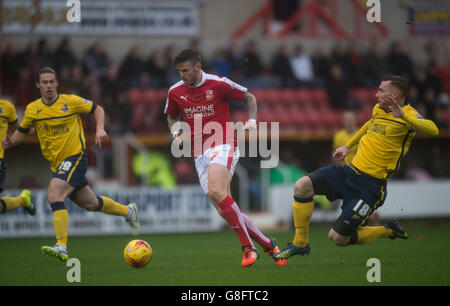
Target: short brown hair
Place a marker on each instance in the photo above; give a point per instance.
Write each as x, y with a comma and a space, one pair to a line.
187, 56
398, 82
45, 70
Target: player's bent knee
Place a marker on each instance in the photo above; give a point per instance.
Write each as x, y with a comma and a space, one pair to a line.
216, 193
303, 188
91, 207
341, 240
331, 234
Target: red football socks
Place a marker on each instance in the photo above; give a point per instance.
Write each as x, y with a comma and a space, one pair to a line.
232, 214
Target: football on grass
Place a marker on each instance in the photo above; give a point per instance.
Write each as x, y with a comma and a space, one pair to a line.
137, 253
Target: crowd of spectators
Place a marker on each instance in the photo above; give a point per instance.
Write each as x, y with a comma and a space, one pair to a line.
95, 76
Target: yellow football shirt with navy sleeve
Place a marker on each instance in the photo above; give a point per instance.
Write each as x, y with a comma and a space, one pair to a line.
7, 116
386, 140
58, 126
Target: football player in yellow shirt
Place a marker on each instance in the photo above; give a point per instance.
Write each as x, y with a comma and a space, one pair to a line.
8, 123
56, 119
383, 142
349, 120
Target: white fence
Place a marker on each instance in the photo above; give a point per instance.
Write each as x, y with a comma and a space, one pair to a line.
184, 209
405, 199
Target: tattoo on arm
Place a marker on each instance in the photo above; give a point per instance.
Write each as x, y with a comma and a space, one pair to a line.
252, 105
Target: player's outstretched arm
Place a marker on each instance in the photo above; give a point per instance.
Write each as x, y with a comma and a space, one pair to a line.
421, 125
424, 126
16, 138
252, 107
100, 133
355, 139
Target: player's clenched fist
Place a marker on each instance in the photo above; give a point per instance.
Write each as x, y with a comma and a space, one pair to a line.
6, 142
340, 153
250, 125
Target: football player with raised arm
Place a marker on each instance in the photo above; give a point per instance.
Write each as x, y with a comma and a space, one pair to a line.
383, 142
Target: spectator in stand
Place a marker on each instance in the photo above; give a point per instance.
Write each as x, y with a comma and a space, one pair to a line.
96, 60
321, 64
340, 57
253, 66
75, 81
220, 65
171, 72
281, 67
399, 62
157, 66
355, 67
111, 82
419, 81
64, 57
234, 58
10, 69
374, 64
302, 67
121, 112
44, 55
338, 90
132, 67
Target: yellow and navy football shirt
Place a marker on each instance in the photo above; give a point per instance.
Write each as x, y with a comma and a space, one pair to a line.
7, 116
385, 140
58, 126
340, 139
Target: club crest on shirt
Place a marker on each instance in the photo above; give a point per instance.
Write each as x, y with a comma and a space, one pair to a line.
65, 108
209, 95
420, 116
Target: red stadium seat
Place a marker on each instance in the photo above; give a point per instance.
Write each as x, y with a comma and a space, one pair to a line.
364, 95
138, 120
270, 96
318, 94
329, 118
258, 93
319, 98
303, 95
363, 116
136, 97
239, 116
265, 115
286, 96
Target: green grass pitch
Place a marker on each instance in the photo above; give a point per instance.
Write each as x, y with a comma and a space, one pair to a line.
213, 259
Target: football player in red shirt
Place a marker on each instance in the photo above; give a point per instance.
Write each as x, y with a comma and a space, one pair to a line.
202, 100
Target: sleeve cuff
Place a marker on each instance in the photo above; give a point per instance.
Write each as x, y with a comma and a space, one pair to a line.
22, 130
94, 106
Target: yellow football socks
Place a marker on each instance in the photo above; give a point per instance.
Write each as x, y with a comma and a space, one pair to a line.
13, 203
368, 234
302, 210
111, 207
61, 223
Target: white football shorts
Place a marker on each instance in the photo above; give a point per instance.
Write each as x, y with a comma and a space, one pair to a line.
224, 154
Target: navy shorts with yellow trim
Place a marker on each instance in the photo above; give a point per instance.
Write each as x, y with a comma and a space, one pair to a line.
73, 170
2, 173
362, 194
